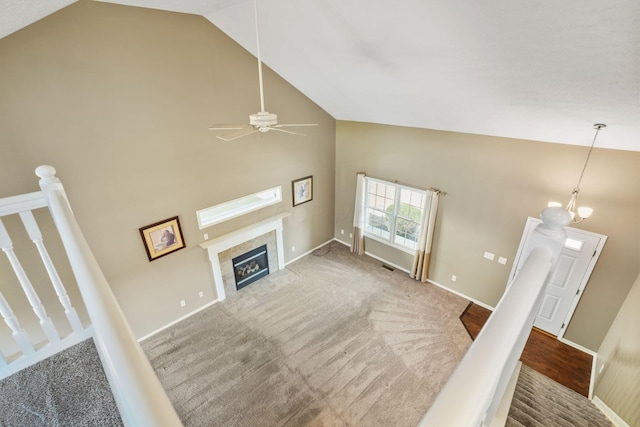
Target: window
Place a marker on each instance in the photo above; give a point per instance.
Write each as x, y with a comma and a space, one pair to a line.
393, 213
227, 210
574, 244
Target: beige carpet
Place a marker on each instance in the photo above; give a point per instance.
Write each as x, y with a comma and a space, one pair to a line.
335, 339
541, 402
69, 388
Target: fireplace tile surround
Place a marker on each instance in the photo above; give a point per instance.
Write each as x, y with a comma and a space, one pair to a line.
223, 249
227, 256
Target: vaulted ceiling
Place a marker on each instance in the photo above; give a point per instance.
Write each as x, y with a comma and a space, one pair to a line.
544, 70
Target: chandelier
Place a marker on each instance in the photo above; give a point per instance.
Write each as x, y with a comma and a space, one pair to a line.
579, 214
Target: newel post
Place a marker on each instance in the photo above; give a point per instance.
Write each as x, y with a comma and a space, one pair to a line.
551, 233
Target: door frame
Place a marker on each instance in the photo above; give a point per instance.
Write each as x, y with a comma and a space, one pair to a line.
530, 224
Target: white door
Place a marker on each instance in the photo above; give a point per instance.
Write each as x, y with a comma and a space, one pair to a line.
568, 278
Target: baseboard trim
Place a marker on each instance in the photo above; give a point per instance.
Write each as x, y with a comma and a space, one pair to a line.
343, 242
592, 380
473, 300
396, 266
460, 294
178, 320
577, 346
308, 252
613, 417
384, 261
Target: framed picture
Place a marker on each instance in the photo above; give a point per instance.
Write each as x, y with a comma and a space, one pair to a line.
162, 238
302, 190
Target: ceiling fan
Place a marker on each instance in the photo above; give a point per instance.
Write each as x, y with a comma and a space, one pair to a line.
262, 121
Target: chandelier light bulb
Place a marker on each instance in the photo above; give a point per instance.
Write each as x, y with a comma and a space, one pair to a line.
584, 211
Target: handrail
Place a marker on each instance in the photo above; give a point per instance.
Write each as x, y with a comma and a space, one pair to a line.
138, 393
475, 390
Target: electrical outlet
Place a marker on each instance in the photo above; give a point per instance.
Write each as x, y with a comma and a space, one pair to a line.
489, 256
206, 236
454, 278
183, 303
601, 368
502, 260
200, 294
293, 248
350, 235
341, 231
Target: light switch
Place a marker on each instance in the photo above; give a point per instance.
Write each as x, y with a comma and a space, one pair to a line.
502, 260
489, 256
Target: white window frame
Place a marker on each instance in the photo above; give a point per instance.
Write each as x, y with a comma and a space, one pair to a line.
237, 207
398, 187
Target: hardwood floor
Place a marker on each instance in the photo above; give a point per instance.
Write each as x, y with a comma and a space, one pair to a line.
543, 353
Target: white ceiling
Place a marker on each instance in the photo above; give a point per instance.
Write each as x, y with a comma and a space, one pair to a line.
544, 70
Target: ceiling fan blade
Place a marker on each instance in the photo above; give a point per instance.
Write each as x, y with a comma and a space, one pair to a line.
286, 131
294, 124
227, 127
261, 121
238, 134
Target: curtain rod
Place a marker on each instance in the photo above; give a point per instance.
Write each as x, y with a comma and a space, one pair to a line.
435, 190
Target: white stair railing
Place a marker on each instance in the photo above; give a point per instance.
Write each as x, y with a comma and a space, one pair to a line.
36, 236
45, 322
478, 387
26, 351
138, 393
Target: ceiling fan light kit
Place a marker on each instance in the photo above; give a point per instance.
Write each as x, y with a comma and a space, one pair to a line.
262, 121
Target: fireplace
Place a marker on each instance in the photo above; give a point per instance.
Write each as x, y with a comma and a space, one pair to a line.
218, 247
250, 266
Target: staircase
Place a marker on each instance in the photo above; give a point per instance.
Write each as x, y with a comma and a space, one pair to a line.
541, 402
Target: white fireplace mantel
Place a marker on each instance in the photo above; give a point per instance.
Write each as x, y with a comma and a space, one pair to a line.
227, 241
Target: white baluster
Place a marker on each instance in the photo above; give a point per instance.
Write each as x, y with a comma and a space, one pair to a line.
19, 334
45, 322
34, 234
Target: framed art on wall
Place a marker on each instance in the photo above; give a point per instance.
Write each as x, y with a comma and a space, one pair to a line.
162, 238
302, 190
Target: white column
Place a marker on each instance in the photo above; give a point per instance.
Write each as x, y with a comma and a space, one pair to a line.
217, 275
45, 322
280, 244
36, 236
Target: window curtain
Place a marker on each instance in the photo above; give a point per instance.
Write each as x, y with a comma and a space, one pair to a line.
357, 245
420, 268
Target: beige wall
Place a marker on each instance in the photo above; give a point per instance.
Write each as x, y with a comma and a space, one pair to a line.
618, 362
119, 100
492, 186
